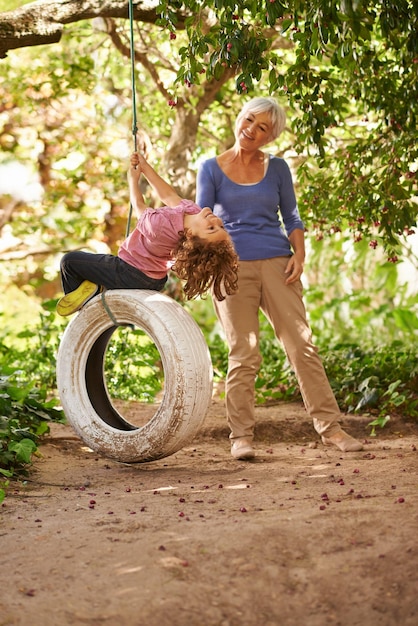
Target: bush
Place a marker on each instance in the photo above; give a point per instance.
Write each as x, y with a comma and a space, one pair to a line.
25, 413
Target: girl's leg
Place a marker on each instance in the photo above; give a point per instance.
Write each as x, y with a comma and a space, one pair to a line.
238, 315
105, 270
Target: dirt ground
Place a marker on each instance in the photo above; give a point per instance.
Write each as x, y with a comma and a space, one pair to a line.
303, 535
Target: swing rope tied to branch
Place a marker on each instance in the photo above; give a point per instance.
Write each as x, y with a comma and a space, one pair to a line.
134, 118
135, 136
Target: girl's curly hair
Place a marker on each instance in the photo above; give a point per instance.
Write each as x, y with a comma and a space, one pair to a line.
206, 265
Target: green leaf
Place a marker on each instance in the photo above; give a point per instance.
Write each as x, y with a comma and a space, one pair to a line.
23, 449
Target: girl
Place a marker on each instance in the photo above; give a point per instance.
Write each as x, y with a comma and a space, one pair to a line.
179, 236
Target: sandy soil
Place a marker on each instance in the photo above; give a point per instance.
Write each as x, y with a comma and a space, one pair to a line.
303, 535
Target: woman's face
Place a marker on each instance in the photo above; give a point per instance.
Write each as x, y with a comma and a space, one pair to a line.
254, 130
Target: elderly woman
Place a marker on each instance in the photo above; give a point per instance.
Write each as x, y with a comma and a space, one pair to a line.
252, 192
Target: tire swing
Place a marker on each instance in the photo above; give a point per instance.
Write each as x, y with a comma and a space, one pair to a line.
187, 375
184, 355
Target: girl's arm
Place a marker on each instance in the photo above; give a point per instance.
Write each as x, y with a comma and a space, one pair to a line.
135, 195
164, 191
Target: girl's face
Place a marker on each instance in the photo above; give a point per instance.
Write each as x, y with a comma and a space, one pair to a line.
254, 130
206, 225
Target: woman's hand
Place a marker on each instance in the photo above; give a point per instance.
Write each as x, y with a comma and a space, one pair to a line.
294, 269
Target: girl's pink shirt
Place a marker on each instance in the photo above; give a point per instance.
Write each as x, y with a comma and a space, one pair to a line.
149, 247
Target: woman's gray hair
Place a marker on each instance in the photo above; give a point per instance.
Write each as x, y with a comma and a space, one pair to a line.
265, 105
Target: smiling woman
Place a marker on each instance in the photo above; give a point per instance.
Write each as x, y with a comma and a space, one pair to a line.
252, 192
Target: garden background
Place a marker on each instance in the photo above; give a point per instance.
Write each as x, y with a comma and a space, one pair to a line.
345, 72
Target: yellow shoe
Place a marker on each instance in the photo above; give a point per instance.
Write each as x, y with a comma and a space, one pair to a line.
73, 301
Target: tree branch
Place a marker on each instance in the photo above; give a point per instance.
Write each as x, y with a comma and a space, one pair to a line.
139, 56
42, 22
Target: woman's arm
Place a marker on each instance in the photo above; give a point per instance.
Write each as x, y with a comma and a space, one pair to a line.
205, 188
294, 268
164, 191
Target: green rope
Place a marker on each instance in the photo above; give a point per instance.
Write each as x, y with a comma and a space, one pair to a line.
134, 120
110, 314
134, 133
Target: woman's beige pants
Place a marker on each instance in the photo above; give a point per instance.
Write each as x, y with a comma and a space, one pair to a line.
262, 285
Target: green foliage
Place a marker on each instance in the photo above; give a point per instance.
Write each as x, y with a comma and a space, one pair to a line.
25, 413
31, 352
27, 392
133, 368
275, 380
356, 297
380, 380
349, 73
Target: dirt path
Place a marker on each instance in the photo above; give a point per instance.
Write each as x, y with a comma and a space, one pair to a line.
304, 535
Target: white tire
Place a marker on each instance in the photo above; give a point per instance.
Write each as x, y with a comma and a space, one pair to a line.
187, 375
